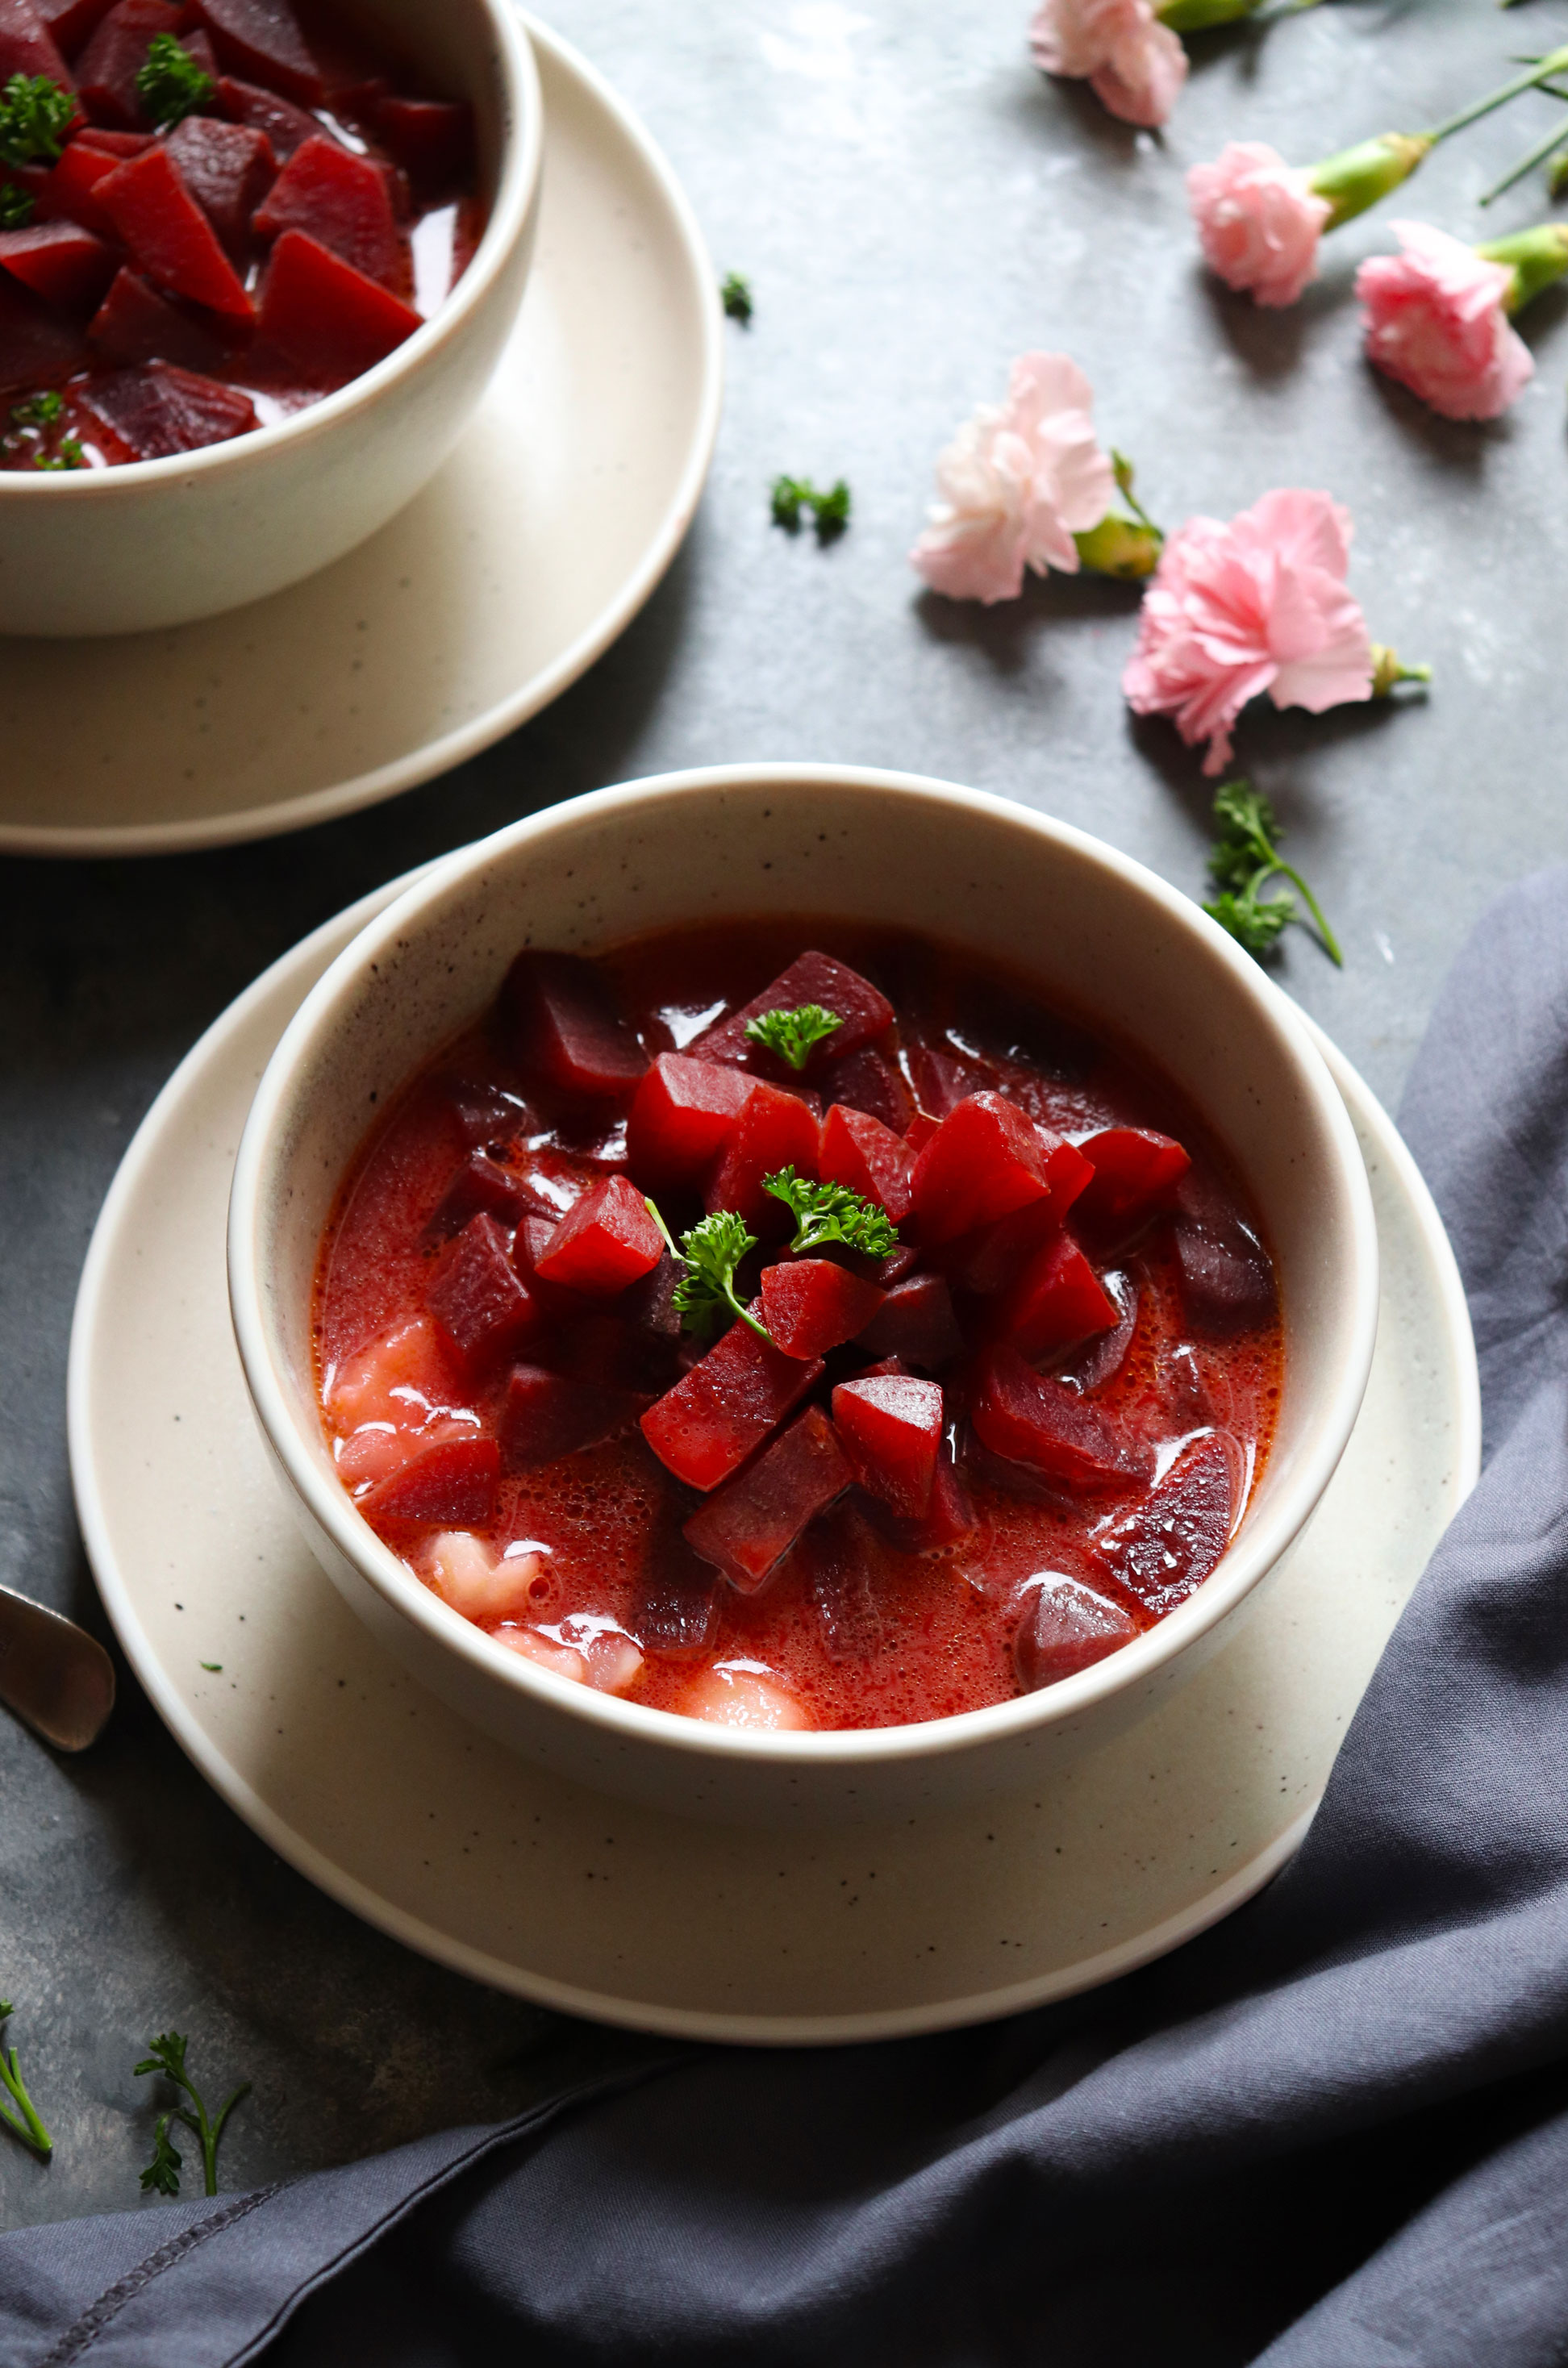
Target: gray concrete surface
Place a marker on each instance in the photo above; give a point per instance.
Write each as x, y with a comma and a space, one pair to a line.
913, 206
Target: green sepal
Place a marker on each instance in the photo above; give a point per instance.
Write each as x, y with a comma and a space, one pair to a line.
1197, 16
1356, 177
1120, 547
1536, 257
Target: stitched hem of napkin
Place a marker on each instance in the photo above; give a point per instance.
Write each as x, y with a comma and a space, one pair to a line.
112, 2301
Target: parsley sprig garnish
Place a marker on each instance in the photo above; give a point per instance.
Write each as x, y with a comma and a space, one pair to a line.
38, 411
1245, 858
793, 1034
832, 1213
24, 2123
69, 456
35, 115
734, 295
15, 206
710, 1253
166, 2054
794, 496
170, 84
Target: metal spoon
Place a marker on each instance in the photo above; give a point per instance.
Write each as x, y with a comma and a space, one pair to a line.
52, 1674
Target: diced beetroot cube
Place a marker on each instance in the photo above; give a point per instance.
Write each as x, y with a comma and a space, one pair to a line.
983, 1161
809, 1306
942, 1080
545, 1415
64, 264
775, 1129
69, 22
1066, 1627
1167, 1545
480, 1184
157, 410
325, 317
594, 1345
859, 1151
994, 1256
262, 39
706, 1427
892, 1429
285, 124
684, 1112
1030, 1419
1227, 1282
949, 1516
38, 348
862, 1013
1057, 1301
748, 1526
134, 324
1102, 1359
67, 193
431, 138
108, 67
564, 1026
915, 1323
119, 144
27, 46
675, 1607
868, 1081
343, 203
477, 1296
1135, 1172
650, 1306
604, 1243
452, 1481
168, 234
228, 168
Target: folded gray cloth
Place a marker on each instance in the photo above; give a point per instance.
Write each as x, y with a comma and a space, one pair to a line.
1331, 2134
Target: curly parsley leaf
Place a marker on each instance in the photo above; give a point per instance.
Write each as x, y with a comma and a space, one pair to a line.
35, 115
734, 294
24, 2123
70, 455
1245, 859
832, 1213
15, 206
710, 1254
793, 497
165, 2055
170, 84
38, 411
793, 1034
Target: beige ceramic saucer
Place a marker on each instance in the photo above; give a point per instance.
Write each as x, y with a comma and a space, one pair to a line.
529, 551
373, 1790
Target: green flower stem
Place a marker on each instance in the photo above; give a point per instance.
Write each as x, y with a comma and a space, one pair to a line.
1388, 670
1554, 61
1356, 177
1527, 163
1536, 257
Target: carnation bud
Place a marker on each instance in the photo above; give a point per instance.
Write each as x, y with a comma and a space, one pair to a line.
1121, 547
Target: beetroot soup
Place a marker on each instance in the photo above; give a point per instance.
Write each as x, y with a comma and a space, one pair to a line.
211, 214
828, 1337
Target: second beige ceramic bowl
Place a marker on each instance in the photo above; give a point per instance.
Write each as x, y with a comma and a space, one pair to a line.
1092, 930
158, 542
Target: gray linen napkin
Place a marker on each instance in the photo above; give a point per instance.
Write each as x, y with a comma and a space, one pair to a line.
1331, 2134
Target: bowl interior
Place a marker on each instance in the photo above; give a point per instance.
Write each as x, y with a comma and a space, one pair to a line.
1093, 931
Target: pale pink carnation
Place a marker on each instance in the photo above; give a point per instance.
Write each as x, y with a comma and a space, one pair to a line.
1435, 321
1257, 605
1134, 65
1258, 220
1018, 483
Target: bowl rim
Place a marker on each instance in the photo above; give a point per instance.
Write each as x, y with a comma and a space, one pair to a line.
1257, 1547
516, 188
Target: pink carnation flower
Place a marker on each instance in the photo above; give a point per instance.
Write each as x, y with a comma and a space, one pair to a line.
1018, 483
1258, 220
1435, 321
1257, 605
1134, 65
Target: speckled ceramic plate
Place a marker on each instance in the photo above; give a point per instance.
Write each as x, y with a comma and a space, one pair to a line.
376, 1792
531, 551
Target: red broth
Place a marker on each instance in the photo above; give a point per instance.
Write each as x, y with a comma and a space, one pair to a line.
167, 285
974, 1467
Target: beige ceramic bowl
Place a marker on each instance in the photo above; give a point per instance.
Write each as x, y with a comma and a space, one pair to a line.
1094, 930
158, 542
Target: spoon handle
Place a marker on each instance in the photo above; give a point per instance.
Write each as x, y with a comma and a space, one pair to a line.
52, 1674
